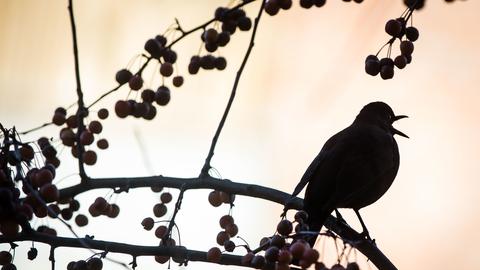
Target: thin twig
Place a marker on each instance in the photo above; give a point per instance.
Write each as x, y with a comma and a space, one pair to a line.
35, 128
207, 166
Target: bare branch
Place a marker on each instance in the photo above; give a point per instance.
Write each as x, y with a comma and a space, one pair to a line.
206, 166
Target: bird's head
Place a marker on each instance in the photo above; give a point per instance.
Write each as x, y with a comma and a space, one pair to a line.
379, 113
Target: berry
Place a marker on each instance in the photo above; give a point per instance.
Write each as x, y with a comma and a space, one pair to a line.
284, 227
123, 76
258, 262
272, 7
319, 3
170, 56
400, 61
386, 62
214, 255
32, 254
81, 220
102, 144
353, 266
153, 47
412, 33
244, 23
5, 257
306, 3
49, 192
148, 95
297, 249
337, 267
210, 36
387, 72
222, 237
372, 67
102, 113
284, 256
271, 254
285, 4
223, 38
161, 39
90, 157
232, 229
277, 241
229, 245
247, 258
310, 255
27, 152
211, 47
393, 28
406, 47
220, 63
151, 112
166, 197
95, 264
58, 119
207, 62
225, 221
71, 122
135, 82
177, 81
161, 232
147, 223
159, 210
301, 216
214, 198
86, 138
95, 127
162, 96
113, 211
166, 69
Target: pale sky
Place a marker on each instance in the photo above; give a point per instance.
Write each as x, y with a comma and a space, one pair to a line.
303, 83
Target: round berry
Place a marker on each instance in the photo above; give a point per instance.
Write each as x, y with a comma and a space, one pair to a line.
284, 227
135, 82
406, 47
147, 223
400, 61
123, 76
393, 28
214, 198
148, 95
412, 33
387, 72
220, 63
166, 69
306, 3
81, 220
159, 210
90, 157
95, 127
223, 38
153, 47
166, 197
214, 255
162, 96
272, 7
102, 144
161, 232
103, 113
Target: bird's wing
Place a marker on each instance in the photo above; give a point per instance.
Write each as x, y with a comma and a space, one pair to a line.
316, 163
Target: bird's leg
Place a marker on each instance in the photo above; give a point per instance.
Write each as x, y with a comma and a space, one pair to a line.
339, 217
365, 230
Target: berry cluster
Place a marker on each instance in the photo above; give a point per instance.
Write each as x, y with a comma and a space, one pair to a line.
87, 138
206, 62
6, 261
94, 263
101, 207
397, 29
231, 19
230, 229
216, 198
158, 49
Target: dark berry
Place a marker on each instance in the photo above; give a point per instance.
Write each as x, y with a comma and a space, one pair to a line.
162, 96
411, 33
152, 46
123, 76
386, 72
400, 61
306, 3
393, 28
220, 63
406, 47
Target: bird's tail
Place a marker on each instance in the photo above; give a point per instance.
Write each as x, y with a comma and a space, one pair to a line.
315, 224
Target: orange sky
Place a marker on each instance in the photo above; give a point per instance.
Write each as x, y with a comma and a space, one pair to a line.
303, 83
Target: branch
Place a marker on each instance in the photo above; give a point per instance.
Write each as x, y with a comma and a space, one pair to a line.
116, 247
206, 166
366, 247
82, 111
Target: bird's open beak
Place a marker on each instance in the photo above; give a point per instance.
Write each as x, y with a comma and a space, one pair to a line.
396, 131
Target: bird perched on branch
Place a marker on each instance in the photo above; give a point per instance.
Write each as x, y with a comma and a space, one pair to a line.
354, 168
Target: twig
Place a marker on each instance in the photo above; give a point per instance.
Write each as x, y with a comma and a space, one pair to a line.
82, 111
35, 128
207, 166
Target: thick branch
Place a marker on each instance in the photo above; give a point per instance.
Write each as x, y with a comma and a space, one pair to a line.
348, 234
115, 247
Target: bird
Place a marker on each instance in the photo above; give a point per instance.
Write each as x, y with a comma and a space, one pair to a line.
354, 168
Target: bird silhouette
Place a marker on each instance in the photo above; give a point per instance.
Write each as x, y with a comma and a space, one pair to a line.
354, 168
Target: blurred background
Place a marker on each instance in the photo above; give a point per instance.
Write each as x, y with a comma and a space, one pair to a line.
303, 83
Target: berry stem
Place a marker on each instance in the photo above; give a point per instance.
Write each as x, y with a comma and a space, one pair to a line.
207, 166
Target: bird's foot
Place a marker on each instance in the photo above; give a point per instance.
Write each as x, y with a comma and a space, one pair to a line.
366, 235
340, 219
